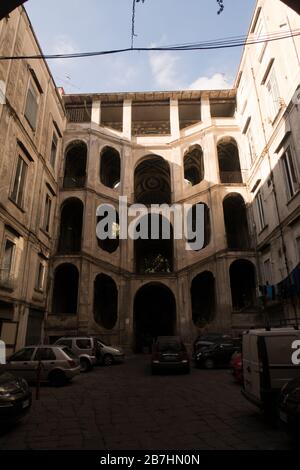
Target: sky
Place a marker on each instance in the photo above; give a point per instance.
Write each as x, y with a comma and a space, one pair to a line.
67, 26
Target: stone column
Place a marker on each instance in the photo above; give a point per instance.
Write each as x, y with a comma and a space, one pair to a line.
96, 112
205, 108
127, 115
174, 119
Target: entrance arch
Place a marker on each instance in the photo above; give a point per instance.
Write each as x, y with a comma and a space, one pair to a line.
154, 314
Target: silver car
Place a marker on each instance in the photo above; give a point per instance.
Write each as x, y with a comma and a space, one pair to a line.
54, 364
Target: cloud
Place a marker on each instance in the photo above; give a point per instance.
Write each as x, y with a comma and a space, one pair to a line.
215, 82
63, 44
164, 68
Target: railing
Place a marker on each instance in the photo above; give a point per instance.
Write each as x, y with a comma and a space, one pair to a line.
79, 113
228, 177
7, 280
151, 128
69, 182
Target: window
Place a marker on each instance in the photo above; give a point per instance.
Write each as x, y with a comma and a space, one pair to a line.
47, 213
53, 150
45, 354
260, 35
7, 260
290, 173
273, 95
83, 343
23, 355
64, 342
31, 108
268, 271
19, 182
260, 211
39, 284
251, 144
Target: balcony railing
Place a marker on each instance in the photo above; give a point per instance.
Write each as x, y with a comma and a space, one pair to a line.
79, 113
228, 177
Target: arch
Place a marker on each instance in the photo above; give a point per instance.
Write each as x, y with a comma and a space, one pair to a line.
110, 167
203, 298
243, 284
193, 165
236, 223
71, 220
152, 181
229, 161
154, 254
105, 301
75, 165
154, 314
65, 289
207, 224
110, 245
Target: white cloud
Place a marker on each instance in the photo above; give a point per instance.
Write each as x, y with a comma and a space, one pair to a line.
215, 82
164, 68
63, 44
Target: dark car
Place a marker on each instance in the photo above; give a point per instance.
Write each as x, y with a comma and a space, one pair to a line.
218, 354
289, 406
15, 398
169, 353
208, 339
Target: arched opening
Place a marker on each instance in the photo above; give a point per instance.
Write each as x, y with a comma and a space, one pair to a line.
71, 219
236, 223
243, 285
65, 290
154, 314
195, 224
194, 165
75, 165
110, 167
110, 244
105, 301
154, 254
229, 161
203, 298
152, 181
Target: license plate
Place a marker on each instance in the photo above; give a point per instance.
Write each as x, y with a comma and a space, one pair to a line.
25, 404
283, 417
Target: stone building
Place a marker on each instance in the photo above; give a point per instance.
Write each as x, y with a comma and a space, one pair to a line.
234, 151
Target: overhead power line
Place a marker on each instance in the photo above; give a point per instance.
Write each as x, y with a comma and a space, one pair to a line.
225, 43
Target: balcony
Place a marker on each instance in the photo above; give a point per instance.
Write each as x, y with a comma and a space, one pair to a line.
231, 177
79, 114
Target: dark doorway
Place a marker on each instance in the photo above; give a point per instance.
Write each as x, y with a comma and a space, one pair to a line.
154, 315
152, 181
154, 255
71, 226
34, 327
105, 301
243, 285
65, 291
110, 167
229, 161
75, 165
236, 223
203, 298
194, 165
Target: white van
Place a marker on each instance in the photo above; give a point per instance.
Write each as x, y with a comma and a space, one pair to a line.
267, 364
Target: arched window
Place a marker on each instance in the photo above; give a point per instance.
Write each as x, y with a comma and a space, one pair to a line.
110, 244
71, 226
194, 165
105, 301
75, 165
243, 285
152, 181
203, 298
229, 161
236, 223
196, 224
65, 290
110, 167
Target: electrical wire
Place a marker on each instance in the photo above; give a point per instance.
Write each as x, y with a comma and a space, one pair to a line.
225, 43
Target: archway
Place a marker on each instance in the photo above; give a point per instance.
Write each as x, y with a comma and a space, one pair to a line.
154, 314
152, 181
65, 290
236, 223
75, 165
193, 165
71, 220
203, 298
229, 161
243, 285
105, 301
110, 167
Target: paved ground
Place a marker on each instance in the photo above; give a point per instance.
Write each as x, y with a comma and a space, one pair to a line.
124, 407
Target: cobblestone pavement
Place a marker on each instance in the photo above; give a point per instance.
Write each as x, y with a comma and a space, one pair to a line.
124, 407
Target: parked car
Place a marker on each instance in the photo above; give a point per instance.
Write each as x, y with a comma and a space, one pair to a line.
169, 353
92, 351
289, 407
15, 398
218, 354
236, 365
58, 364
207, 339
267, 365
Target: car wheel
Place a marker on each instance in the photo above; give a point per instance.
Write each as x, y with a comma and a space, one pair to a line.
85, 365
57, 378
108, 360
209, 363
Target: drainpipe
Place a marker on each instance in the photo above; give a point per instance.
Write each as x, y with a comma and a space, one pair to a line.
267, 151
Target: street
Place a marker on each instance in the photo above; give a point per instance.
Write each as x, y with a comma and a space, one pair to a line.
124, 407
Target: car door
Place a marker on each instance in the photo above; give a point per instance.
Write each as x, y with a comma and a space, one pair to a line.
47, 358
20, 364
